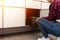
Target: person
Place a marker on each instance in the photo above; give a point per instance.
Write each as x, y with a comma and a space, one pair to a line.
51, 23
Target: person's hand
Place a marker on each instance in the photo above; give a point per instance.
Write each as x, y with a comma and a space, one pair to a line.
37, 19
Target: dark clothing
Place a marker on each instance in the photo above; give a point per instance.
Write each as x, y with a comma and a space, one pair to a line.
54, 11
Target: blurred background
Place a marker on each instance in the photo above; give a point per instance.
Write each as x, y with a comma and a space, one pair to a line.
17, 16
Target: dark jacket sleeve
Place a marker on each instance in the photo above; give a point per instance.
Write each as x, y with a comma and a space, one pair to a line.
51, 15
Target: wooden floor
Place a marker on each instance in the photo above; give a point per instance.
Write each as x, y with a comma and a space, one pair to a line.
23, 36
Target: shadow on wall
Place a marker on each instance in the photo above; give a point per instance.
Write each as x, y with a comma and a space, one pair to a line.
31, 13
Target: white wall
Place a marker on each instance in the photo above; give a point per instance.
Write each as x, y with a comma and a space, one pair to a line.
14, 13
45, 0
17, 3
14, 17
0, 17
44, 12
45, 5
42, 0
0, 2
33, 4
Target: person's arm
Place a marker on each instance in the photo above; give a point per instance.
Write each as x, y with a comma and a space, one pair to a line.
51, 15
